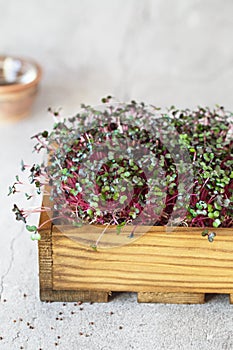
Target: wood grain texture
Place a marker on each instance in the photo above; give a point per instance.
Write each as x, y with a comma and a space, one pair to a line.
73, 296
45, 251
161, 266
171, 298
180, 261
46, 263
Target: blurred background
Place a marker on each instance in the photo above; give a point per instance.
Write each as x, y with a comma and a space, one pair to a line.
163, 52
160, 51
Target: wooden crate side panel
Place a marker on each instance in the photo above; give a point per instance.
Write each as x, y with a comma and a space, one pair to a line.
45, 248
45, 260
180, 261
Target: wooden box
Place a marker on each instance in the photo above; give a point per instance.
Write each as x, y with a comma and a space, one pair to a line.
168, 267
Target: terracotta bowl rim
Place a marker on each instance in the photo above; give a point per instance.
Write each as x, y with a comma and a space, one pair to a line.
18, 86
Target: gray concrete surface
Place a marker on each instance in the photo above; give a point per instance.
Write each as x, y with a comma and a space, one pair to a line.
164, 52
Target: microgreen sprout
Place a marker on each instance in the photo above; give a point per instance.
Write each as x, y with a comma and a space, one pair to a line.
120, 192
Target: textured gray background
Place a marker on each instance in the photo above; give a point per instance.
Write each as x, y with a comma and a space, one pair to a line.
163, 52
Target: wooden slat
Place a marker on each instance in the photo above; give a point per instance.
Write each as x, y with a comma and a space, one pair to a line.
172, 298
180, 261
73, 295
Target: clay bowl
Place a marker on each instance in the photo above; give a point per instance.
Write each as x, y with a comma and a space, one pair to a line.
19, 79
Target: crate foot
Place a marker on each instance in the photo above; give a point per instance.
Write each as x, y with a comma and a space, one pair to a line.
231, 298
74, 296
171, 298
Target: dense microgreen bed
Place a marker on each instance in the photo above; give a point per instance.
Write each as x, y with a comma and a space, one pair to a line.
117, 165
